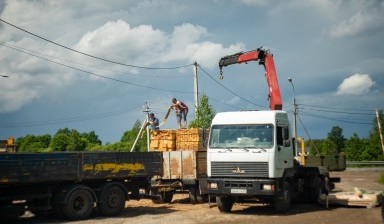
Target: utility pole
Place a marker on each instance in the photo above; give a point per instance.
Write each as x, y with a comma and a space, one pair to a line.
294, 115
380, 132
196, 88
144, 125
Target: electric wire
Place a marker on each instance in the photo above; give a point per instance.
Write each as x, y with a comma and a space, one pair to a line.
98, 75
333, 119
306, 131
87, 65
78, 118
327, 107
199, 66
89, 55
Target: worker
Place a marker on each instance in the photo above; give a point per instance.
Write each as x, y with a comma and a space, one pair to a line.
181, 110
153, 121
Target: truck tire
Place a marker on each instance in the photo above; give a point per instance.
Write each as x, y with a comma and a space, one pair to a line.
283, 201
79, 205
112, 200
224, 203
316, 191
163, 197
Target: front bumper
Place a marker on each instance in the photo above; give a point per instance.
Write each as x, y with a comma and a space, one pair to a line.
242, 187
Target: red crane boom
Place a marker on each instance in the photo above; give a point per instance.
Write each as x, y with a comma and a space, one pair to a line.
265, 59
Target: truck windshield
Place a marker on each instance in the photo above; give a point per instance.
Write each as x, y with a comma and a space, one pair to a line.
258, 136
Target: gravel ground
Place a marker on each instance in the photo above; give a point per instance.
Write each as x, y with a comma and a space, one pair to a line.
180, 210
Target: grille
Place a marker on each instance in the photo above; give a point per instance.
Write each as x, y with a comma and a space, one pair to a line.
239, 169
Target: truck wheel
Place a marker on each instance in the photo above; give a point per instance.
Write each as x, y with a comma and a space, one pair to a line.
79, 205
224, 203
112, 200
316, 191
164, 197
283, 201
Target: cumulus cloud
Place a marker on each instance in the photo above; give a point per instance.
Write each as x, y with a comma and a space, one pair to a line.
356, 84
368, 19
146, 46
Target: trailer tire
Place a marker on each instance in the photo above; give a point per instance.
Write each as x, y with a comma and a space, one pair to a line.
283, 201
192, 194
79, 205
164, 197
224, 203
112, 200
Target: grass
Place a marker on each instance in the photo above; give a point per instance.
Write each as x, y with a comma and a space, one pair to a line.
381, 178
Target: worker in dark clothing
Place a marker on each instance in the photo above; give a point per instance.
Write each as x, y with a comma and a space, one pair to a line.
181, 110
153, 121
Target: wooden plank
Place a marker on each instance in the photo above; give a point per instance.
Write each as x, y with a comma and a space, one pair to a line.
367, 199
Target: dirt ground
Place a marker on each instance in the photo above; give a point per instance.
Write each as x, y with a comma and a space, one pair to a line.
181, 211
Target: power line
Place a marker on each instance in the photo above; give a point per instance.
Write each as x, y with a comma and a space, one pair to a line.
199, 66
339, 112
333, 119
66, 60
66, 120
327, 107
94, 74
89, 55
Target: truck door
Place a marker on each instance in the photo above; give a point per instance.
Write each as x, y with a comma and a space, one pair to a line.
284, 152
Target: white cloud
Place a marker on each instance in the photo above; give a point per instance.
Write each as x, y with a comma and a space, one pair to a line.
367, 19
356, 84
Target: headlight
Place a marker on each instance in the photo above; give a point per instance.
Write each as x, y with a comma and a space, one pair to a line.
268, 187
212, 185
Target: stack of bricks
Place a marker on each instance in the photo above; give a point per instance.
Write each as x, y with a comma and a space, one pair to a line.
179, 140
191, 139
163, 140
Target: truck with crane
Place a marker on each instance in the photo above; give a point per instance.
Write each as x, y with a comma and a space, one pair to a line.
251, 154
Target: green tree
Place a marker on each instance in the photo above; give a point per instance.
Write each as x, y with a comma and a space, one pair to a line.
354, 147
129, 138
337, 138
374, 150
68, 140
204, 114
33, 143
92, 140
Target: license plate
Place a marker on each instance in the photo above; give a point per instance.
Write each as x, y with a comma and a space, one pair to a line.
239, 191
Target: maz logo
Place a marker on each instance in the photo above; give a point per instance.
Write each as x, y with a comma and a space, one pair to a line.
238, 170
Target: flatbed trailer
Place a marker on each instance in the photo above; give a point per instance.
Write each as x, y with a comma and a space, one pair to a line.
182, 171
73, 184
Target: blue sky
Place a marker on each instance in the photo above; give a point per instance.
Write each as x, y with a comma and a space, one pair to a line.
332, 50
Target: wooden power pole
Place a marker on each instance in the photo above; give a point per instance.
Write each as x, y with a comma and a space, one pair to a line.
380, 132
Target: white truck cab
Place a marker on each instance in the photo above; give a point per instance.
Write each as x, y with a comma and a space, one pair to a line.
248, 155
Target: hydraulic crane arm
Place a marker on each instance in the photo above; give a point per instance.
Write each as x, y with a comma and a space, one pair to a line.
265, 59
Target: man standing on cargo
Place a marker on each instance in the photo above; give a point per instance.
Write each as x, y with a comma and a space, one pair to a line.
181, 110
153, 121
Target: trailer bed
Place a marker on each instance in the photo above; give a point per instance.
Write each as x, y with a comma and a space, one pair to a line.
30, 168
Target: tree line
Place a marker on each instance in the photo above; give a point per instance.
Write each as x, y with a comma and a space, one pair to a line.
354, 148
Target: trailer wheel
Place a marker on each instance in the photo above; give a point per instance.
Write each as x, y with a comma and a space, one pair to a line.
224, 203
79, 205
163, 197
284, 200
192, 194
195, 195
112, 200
